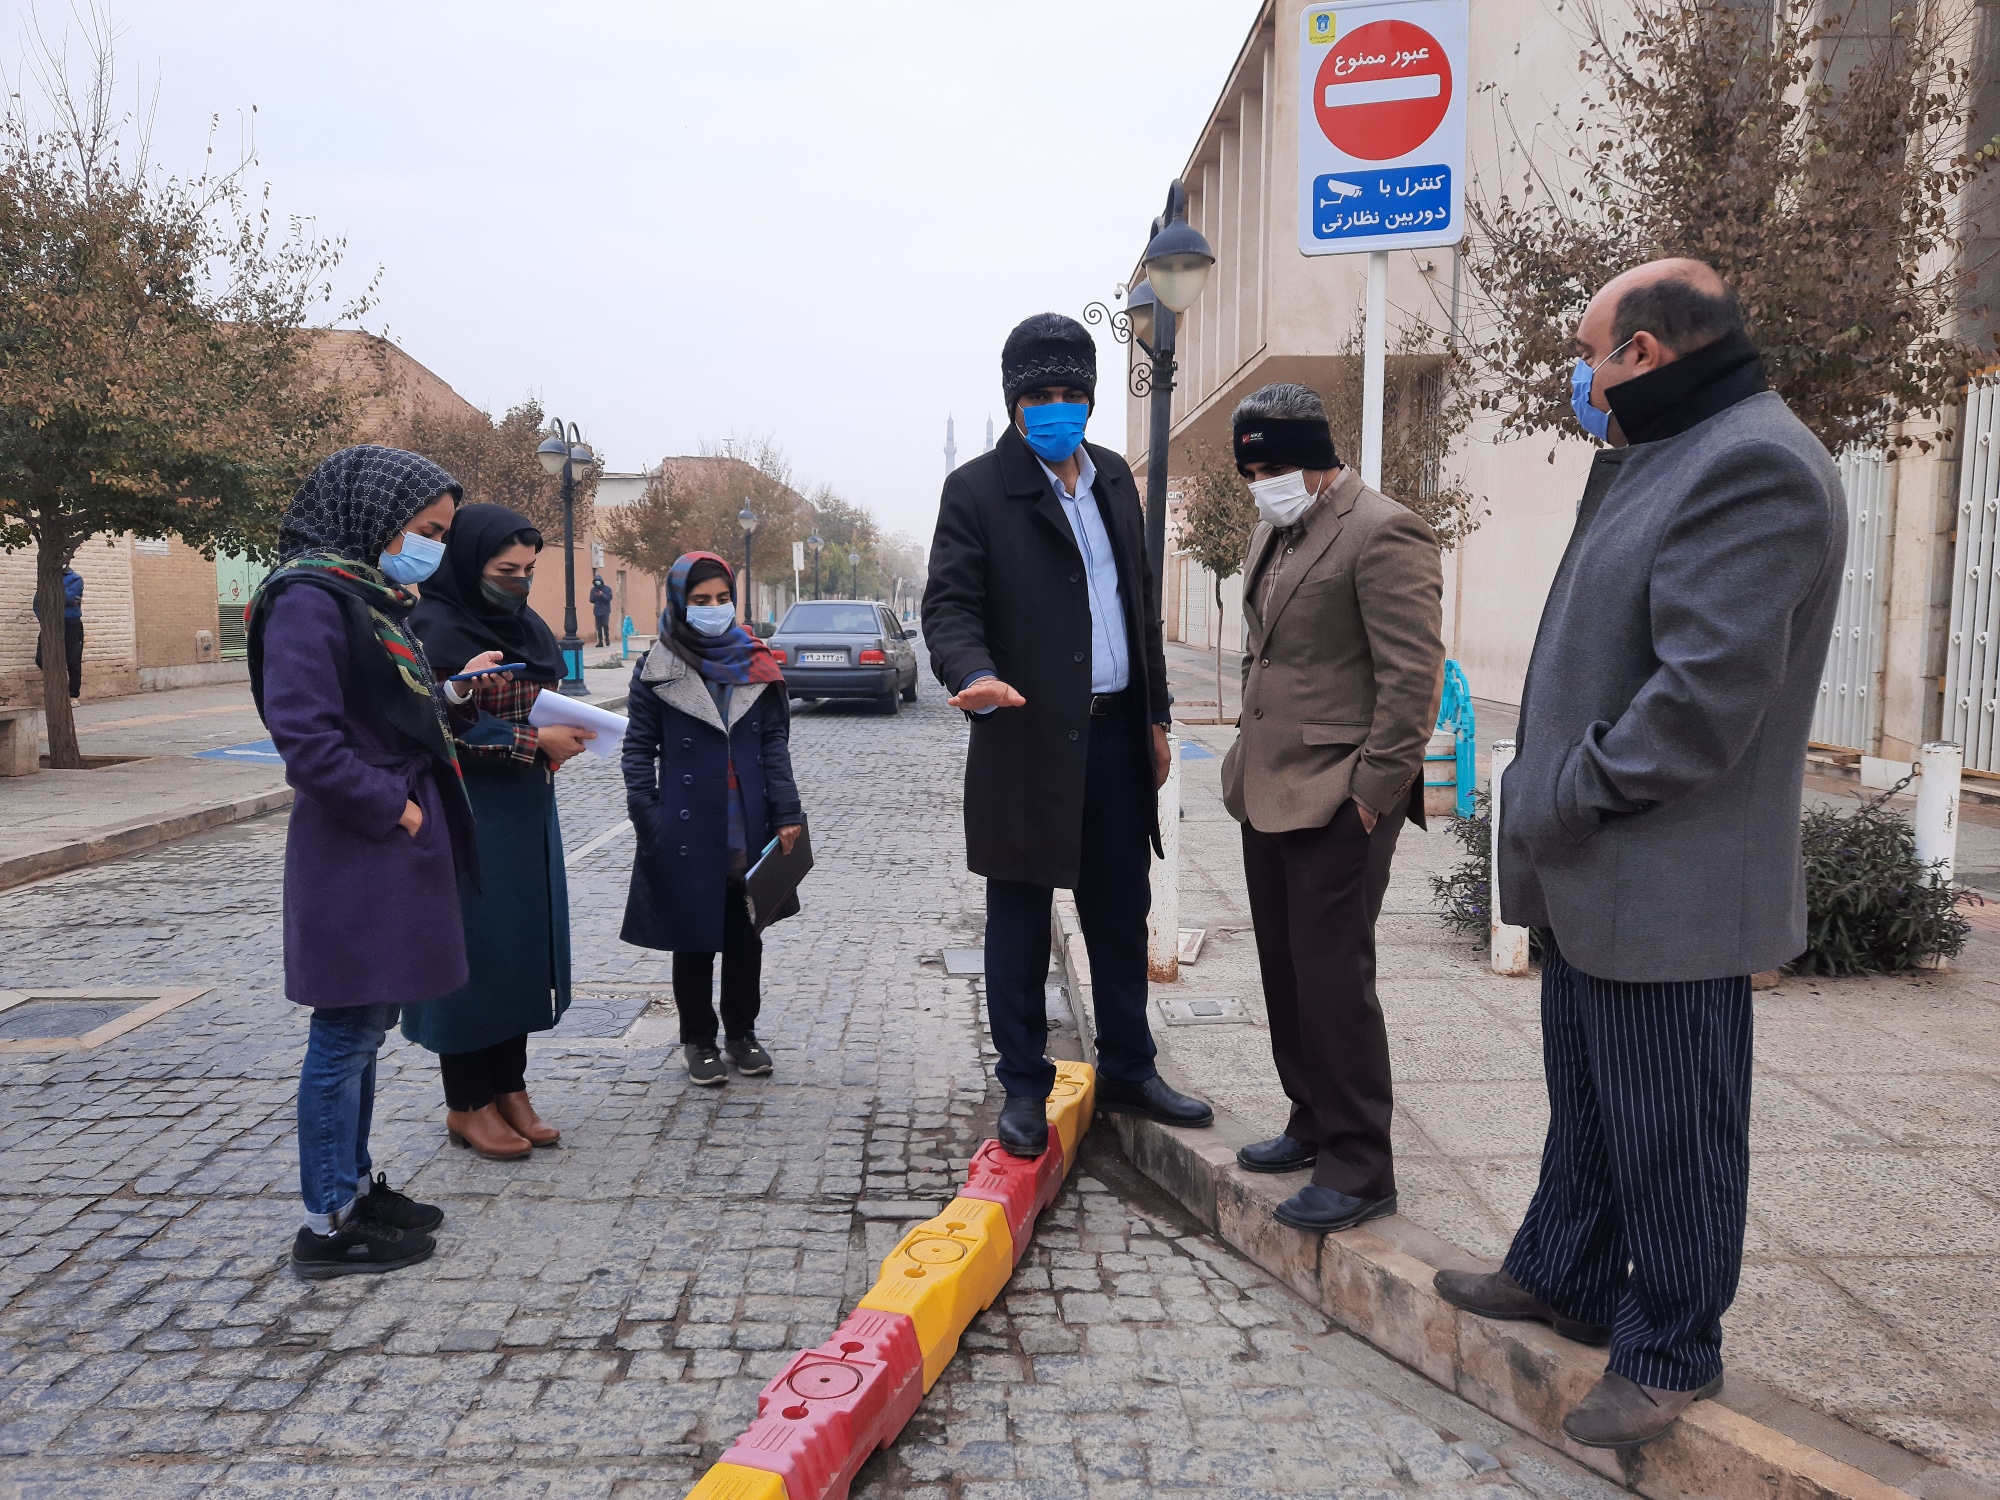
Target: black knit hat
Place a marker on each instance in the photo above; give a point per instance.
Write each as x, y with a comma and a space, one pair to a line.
1048, 349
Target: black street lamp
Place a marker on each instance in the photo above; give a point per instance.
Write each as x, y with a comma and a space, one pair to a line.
854, 562
1177, 263
814, 543
747, 519
563, 452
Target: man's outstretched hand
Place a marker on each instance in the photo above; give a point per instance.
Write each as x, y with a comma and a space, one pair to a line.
988, 692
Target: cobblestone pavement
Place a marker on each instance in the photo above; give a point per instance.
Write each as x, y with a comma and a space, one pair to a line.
599, 1318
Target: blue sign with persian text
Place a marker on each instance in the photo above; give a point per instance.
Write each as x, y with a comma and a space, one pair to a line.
1402, 200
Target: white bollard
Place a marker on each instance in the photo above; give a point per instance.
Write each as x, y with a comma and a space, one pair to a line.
1937, 805
1510, 944
1163, 924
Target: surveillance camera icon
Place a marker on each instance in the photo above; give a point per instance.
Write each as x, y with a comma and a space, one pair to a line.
1339, 189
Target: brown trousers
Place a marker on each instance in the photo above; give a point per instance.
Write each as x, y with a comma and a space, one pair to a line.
1314, 896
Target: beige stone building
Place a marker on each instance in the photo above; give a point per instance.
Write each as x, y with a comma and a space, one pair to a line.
1911, 663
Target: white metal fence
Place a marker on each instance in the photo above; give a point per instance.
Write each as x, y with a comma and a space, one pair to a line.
1849, 713
1972, 660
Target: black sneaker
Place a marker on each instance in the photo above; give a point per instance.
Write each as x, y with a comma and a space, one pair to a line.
358, 1247
382, 1204
704, 1064
751, 1060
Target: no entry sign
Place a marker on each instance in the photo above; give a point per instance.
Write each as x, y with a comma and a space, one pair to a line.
1382, 125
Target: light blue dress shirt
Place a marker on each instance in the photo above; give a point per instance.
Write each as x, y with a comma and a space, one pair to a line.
1110, 660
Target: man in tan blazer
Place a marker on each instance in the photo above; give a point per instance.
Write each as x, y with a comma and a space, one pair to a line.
1341, 602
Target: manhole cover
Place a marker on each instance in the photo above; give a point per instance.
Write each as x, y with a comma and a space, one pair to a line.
599, 1016
61, 1018
1202, 1011
56, 1020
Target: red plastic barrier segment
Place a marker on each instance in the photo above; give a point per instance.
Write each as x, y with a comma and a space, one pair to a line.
830, 1407
1022, 1187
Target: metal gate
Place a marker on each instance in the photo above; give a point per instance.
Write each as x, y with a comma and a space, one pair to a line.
1972, 661
1849, 713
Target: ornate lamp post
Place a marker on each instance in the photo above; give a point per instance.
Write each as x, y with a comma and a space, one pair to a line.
854, 562
1177, 263
747, 519
563, 452
813, 544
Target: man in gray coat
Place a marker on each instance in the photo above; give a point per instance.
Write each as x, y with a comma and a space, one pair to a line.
1650, 831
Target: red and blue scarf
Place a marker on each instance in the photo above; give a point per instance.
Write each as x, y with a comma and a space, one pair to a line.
736, 656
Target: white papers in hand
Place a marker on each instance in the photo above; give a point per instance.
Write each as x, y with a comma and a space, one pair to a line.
551, 707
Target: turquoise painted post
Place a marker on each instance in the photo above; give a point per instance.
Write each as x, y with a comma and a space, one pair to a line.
1455, 713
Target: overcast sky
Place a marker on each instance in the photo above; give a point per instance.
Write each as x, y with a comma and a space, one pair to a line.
675, 222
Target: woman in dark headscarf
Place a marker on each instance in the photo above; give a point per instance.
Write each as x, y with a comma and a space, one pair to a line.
517, 919
380, 828
708, 781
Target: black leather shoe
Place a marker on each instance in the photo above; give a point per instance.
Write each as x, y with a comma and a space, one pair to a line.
1024, 1126
1279, 1154
1153, 1099
1322, 1210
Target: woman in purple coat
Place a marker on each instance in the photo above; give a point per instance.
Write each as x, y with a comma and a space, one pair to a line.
379, 829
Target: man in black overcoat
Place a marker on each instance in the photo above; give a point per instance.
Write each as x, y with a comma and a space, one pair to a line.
1043, 622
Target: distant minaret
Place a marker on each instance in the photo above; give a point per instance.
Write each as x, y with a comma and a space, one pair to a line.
989, 434
950, 447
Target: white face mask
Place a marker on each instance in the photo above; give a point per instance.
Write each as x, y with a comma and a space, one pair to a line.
1283, 500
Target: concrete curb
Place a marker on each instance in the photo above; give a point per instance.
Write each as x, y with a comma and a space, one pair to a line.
114, 843
1376, 1284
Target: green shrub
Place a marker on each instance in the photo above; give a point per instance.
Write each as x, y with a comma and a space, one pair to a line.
1870, 907
1465, 896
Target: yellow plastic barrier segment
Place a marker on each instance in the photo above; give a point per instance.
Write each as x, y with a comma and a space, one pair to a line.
1070, 1104
943, 1274
735, 1482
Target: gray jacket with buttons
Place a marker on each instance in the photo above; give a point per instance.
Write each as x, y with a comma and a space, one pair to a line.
1652, 817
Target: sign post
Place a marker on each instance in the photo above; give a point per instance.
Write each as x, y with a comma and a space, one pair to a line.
1381, 152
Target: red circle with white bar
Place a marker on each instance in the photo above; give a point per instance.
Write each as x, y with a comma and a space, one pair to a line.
1382, 92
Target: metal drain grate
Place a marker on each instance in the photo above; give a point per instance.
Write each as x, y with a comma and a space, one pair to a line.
78, 1020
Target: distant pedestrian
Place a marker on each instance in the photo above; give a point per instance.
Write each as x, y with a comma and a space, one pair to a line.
517, 916
708, 782
380, 827
72, 630
1650, 829
1043, 621
1342, 599
600, 606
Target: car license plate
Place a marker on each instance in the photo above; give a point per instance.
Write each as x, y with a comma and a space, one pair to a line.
822, 658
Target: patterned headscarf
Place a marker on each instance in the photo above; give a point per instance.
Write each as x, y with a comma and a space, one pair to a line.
357, 500
736, 656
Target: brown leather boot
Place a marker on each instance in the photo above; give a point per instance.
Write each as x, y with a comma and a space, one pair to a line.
1495, 1294
485, 1132
1621, 1413
519, 1111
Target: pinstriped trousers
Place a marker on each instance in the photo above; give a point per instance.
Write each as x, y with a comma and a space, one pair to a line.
1638, 1219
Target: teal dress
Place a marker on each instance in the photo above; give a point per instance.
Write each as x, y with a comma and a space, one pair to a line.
517, 918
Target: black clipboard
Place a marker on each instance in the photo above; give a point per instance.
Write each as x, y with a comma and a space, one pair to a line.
775, 876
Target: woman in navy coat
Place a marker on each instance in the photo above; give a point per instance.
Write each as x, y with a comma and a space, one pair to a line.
708, 783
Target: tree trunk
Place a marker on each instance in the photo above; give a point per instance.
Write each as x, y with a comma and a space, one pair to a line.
52, 556
1220, 716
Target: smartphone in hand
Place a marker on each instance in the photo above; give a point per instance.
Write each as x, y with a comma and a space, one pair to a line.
505, 666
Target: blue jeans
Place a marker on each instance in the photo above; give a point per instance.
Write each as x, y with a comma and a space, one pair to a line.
337, 1101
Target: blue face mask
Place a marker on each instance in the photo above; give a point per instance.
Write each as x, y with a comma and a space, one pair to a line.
416, 562
1581, 379
1055, 430
711, 619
